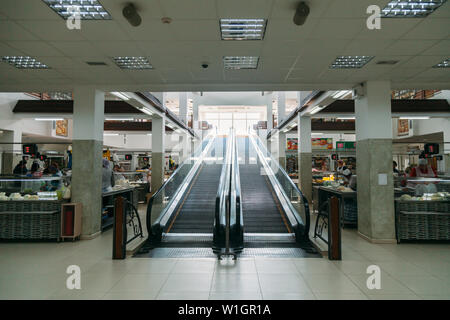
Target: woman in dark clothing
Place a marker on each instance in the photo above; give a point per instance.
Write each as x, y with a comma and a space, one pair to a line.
21, 168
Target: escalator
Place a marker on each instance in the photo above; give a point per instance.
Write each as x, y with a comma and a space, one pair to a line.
180, 214
275, 213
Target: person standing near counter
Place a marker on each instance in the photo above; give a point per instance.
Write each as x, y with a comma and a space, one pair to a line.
423, 170
107, 176
341, 167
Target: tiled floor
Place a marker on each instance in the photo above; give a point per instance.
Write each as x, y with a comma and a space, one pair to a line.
409, 271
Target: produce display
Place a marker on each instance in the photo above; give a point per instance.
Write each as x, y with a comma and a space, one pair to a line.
16, 196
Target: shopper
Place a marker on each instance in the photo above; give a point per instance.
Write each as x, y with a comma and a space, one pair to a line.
21, 168
341, 167
423, 170
117, 173
350, 179
35, 170
394, 164
107, 176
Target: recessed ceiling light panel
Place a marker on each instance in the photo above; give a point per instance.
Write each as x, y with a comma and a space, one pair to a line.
89, 9
443, 64
243, 29
24, 62
410, 8
240, 62
136, 63
350, 62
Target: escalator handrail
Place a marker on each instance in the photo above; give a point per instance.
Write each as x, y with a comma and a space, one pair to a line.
190, 176
296, 216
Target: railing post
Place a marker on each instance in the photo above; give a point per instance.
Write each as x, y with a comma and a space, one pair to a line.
334, 230
120, 229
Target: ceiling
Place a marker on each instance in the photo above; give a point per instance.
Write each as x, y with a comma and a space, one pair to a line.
291, 57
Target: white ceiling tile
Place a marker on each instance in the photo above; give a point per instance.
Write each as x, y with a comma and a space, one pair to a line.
51, 30
273, 62
35, 48
147, 9
6, 50
75, 48
189, 9
283, 48
408, 47
286, 8
149, 30
427, 61
12, 31
59, 62
175, 75
200, 30
433, 74
338, 28
441, 12
364, 47
103, 30
27, 10
244, 9
351, 8
239, 48
390, 29
118, 48
281, 29
430, 29
403, 61
440, 48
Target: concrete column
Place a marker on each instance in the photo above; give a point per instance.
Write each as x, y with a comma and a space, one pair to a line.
11, 151
195, 123
158, 152
269, 105
305, 156
282, 149
376, 219
183, 107
281, 106
87, 145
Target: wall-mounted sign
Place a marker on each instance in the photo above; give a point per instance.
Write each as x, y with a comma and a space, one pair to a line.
316, 143
345, 145
403, 127
62, 128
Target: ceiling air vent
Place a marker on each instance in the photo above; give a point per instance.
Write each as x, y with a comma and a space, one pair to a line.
388, 62
96, 63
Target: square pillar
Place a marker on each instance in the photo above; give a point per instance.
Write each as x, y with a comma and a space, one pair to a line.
375, 186
305, 156
183, 114
282, 149
158, 152
10, 151
269, 106
87, 147
281, 106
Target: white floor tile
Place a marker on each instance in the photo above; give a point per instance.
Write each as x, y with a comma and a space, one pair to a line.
187, 282
140, 282
286, 283
341, 296
235, 295
331, 284
186, 295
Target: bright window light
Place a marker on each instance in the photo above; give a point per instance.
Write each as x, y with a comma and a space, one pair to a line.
243, 29
316, 109
121, 95
414, 118
410, 8
89, 9
119, 119
136, 63
346, 118
350, 62
110, 134
341, 94
24, 62
48, 119
443, 64
240, 62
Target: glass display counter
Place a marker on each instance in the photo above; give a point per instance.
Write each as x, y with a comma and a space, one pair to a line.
33, 188
140, 180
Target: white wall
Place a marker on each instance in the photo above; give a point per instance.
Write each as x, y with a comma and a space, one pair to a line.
135, 141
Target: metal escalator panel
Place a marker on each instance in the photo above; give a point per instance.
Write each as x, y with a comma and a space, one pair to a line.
261, 209
196, 213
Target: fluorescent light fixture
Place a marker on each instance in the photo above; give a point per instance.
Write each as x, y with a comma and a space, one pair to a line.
121, 95
443, 64
414, 118
24, 62
119, 119
243, 29
240, 62
340, 94
134, 63
346, 118
89, 9
110, 134
317, 133
149, 134
48, 119
316, 109
410, 8
350, 62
